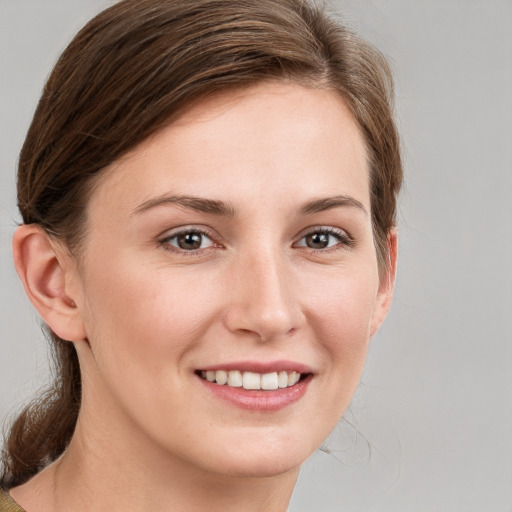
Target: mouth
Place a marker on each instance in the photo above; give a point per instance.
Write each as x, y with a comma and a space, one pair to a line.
257, 387
253, 381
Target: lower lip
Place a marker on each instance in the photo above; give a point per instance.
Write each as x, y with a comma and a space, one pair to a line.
255, 400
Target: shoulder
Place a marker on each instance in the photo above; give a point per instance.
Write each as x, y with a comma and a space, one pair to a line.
7, 504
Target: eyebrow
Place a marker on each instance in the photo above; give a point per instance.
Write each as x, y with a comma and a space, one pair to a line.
195, 203
327, 203
222, 208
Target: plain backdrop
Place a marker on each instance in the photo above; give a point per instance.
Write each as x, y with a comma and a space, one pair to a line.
430, 428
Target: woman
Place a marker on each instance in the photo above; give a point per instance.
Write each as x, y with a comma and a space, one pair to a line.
208, 191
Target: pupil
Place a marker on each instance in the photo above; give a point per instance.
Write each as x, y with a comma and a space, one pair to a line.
318, 240
190, 241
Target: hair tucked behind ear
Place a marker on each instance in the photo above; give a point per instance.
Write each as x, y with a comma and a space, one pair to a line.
132, 70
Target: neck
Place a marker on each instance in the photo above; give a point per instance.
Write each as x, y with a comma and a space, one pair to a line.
93, 482
101, 471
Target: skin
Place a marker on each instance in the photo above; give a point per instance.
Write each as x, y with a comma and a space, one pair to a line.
145, 315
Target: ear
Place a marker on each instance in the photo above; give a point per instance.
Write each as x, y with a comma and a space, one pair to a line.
47, 273
387, 284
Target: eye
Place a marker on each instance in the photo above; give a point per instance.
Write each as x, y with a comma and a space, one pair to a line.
325, 238
190, 240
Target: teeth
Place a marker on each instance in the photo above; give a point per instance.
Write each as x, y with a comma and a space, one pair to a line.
235, 379
282, 380
269, 381
252, 380
221, 377
293, 378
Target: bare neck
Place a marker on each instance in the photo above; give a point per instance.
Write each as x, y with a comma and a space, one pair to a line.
107, 478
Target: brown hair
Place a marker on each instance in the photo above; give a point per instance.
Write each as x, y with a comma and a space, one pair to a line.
130, 71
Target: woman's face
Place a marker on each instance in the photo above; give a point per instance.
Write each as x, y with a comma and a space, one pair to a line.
236, 243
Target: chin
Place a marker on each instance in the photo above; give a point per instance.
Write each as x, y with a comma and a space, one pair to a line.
259, 467
261, 458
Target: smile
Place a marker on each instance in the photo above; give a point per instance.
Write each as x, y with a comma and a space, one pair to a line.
252, 380
257, 386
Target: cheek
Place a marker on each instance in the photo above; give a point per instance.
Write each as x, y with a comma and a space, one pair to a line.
339, 311
341, 314
146, 315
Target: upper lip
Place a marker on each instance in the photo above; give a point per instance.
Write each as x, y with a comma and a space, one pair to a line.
260, 367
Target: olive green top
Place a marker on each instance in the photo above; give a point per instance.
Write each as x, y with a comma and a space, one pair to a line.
7, 504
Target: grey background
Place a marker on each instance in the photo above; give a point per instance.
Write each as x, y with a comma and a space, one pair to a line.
433, 415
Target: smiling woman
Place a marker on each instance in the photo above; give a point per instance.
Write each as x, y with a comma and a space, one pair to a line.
208, 191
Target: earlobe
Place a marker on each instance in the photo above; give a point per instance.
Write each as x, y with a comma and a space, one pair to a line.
45, 279
387, 284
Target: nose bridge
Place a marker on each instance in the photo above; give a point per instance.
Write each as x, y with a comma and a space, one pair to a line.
264, 299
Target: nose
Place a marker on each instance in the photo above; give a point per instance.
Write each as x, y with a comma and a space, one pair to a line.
263, 297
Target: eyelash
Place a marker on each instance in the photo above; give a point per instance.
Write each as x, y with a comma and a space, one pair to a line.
344, 240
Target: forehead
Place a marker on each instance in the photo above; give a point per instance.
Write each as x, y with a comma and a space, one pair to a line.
300, 140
